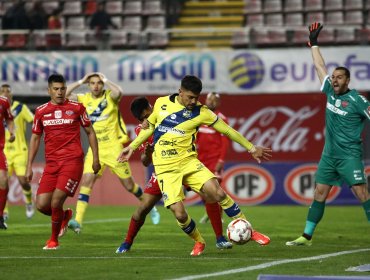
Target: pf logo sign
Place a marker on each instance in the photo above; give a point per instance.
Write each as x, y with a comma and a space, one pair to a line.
248, 184
299, 185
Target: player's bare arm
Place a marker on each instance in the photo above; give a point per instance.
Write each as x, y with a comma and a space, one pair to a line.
146, 156
257, 152
140, 139
116, 89
34, 147
70, 88
93, 142
11, 129
318, 60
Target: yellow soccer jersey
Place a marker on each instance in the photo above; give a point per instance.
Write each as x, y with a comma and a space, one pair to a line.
175, 129
22, 116
105, 117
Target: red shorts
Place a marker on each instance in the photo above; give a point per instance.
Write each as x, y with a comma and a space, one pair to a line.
3, 163
152, 186
65, 177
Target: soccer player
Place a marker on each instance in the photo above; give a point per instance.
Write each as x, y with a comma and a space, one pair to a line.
60, 120
174, 122
141, 109
212, 148
17, 152
102, 107
5, 117
341, 159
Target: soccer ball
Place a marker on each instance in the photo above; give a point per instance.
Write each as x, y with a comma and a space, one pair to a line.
239, 231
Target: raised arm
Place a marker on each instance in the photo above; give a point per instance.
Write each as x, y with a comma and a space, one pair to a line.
116, 89
257, 152
318, 60
71, 87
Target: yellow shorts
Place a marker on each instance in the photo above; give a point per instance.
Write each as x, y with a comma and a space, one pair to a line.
190, 172
17, 163
108, 158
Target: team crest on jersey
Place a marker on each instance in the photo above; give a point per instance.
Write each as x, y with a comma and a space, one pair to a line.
173, 116
186, 114
337, 103
58, 114
344, 104
69, 112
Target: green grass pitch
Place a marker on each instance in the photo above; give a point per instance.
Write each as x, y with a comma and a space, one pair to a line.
163, 251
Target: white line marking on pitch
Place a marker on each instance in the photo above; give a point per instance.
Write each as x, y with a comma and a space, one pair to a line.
269, 264
100, 221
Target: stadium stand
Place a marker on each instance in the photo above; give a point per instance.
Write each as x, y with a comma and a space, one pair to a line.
199, 24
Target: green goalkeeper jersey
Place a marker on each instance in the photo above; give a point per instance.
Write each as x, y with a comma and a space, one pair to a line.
344, 117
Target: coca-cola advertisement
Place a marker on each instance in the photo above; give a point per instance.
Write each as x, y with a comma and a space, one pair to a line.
292, 125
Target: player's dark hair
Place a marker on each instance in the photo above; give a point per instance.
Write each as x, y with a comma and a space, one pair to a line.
56, 78
6, 85
192, 83
346, 71
138, 105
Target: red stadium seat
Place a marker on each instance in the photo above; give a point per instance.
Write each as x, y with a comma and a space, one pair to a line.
353, 5
255, 20
334, 18
252, 6
294, 19
293, 6
272, 6
313, 5
274, 20
331, 5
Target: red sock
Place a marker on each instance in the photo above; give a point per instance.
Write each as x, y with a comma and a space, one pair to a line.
57, 215
214, 215
133, 229
3, 197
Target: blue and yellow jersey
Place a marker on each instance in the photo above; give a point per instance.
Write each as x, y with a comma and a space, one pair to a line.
22, 116
105, 117
176, 128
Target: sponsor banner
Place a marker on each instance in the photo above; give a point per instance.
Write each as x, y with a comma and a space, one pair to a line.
159, 72
292, 125
279, 183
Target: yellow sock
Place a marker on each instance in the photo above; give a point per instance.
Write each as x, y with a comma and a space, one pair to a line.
6, 208
28, 196
137, 191
82, 203
231, 208
190, 228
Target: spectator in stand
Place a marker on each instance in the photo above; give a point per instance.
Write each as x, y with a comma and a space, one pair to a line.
54, 41
212, 148
100, 23
16, 16
38, 16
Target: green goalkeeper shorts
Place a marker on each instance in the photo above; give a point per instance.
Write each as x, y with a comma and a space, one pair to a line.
333, 171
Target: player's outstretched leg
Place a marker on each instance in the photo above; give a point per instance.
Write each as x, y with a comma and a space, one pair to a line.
133, 230
214, 212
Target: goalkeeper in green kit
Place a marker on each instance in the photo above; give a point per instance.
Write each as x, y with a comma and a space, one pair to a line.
341, 159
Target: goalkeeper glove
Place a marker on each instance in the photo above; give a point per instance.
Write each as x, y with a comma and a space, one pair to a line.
314, 29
